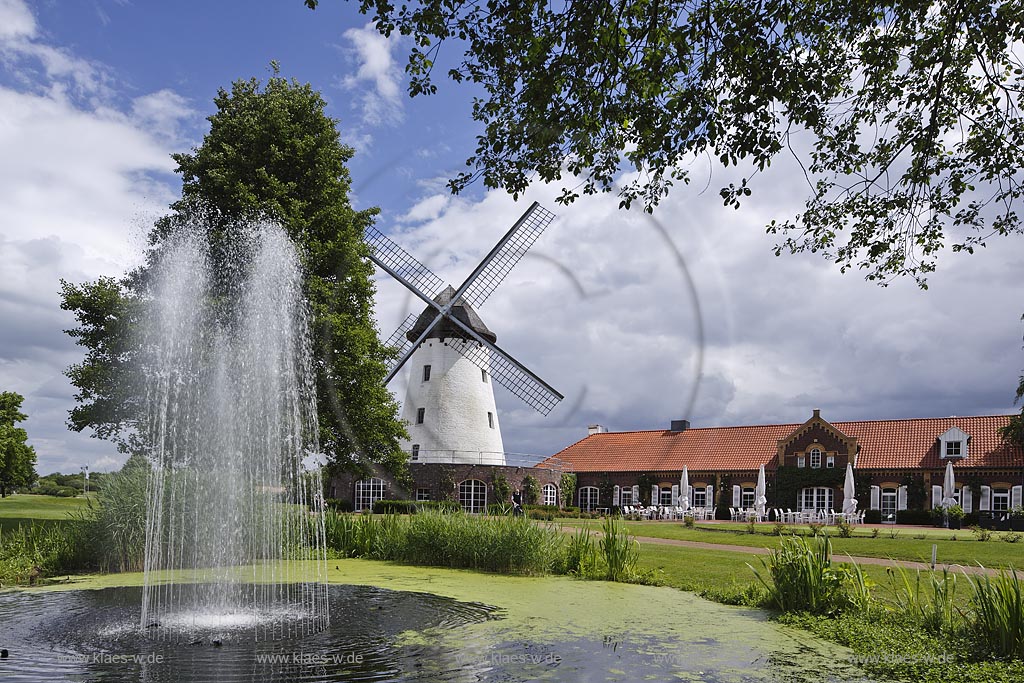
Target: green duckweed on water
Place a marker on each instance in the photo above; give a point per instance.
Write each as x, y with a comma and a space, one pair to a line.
559, 628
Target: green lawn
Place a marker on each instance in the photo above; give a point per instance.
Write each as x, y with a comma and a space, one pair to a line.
20, 509
964, 550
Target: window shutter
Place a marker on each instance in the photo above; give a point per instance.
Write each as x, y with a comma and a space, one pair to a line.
655, 491
710, 502
615, 496
876, 495
986, 498
636, 494
901, 498
1015, 496
736, 496
675, 494
966, 498
936, 497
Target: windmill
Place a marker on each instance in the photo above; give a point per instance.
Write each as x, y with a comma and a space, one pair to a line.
449, 404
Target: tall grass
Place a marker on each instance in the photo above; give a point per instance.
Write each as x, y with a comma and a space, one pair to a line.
620, 552
513, 545
35, 551
999, 613
804, 580
930, 603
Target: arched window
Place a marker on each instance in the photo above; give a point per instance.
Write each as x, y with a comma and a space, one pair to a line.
550, 494
815, 457
816, 498
367, 492
473, 495
589, 497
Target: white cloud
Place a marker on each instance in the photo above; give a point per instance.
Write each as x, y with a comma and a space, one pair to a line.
79, 179
162, 113
16, 20
378, 76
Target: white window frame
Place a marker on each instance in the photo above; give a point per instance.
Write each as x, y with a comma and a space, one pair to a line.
415, 455
473, 496
830, 462
1000, 499
817, 498
801, 461
888, 502
747, 497
954, 449
368, 491
700, 497
626, 496
422, 495
815, 458
592, 498
549, 494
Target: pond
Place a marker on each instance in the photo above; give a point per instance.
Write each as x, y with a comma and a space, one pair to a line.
394, 623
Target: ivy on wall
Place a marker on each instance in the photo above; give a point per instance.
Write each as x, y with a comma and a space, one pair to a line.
567, 487
645, 482
916, 496
606, 488
789, 481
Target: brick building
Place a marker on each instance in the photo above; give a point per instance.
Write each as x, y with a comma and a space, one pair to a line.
898, 464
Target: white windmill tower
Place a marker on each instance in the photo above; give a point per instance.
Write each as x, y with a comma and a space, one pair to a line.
449, 405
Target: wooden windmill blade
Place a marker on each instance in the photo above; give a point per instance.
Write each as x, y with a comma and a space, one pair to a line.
400, 341
505, 255
508, 372
402, 265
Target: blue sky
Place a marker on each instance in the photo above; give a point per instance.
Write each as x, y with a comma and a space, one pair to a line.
636, 319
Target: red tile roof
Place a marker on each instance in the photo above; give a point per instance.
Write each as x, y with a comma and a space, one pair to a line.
884, 444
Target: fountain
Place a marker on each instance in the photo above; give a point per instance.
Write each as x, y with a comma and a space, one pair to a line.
232, 536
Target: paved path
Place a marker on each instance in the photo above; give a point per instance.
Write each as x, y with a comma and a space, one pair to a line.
884, 562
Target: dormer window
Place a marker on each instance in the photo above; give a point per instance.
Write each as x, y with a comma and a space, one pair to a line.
953, 443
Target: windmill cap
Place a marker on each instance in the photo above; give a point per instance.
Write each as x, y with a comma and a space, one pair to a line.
446, 329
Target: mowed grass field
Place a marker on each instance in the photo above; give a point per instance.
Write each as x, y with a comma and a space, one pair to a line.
964, 550
21, 509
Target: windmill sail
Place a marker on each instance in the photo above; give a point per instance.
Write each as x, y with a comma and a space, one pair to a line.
506, 254
511, 374
401, 264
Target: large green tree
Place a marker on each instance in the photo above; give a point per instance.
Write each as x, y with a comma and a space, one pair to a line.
271, 151
17, 458
903, 114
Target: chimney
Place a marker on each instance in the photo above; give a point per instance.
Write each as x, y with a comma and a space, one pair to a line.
679, 425
817, 412
596, 429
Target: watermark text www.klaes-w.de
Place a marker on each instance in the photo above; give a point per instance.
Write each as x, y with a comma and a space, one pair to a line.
507, 658
111, 658
309, 658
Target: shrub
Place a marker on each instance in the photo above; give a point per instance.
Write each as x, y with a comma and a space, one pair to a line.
688, 521
501, 488
875, 532
872, 516
439, 505
1011, 537
844, 528
981, 533
999, 613
803, 578
339, 504
918, 517
394, 507
816, 528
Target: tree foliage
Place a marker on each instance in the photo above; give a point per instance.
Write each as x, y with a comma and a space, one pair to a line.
903, 114
17, 458
271, 152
